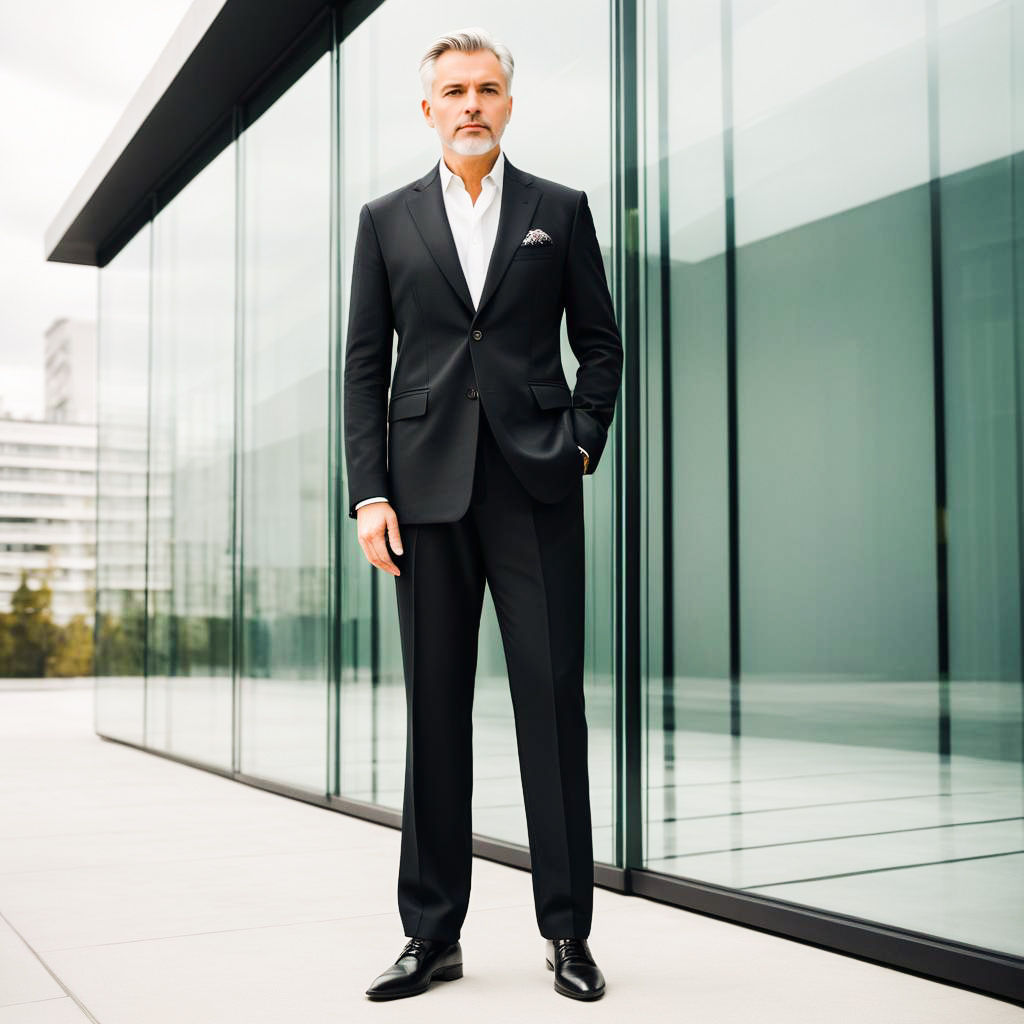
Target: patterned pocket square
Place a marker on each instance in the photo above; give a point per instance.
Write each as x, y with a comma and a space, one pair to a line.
536, 237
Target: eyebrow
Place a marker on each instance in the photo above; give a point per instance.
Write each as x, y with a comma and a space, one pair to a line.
449, 84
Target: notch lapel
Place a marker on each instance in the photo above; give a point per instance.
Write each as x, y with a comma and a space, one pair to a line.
426, 206
518, 202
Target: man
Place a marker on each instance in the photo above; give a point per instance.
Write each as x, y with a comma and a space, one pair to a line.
470, 473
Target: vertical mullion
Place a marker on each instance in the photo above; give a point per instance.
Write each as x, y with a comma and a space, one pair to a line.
732, 424
96, 516
149, 465
667, 618
629, 738
334, 495
237, 504
1015, 38
938, 381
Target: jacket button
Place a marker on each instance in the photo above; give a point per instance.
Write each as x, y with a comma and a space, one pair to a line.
478, 335
471, 392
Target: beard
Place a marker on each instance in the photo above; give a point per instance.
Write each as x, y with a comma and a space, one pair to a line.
475, 145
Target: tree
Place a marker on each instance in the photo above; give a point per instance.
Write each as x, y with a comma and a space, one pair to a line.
72, 653
31, 630
6, 644
32, 645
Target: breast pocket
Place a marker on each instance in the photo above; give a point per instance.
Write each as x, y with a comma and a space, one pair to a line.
534, 252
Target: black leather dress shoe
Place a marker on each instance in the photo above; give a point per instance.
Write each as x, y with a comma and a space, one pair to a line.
420, 962
576, 974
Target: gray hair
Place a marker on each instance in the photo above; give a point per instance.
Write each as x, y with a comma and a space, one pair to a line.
468, 40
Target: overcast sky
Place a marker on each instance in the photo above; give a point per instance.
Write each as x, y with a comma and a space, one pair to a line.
68, 69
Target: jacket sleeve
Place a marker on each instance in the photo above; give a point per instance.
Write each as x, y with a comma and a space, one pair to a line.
593, 336
367, 375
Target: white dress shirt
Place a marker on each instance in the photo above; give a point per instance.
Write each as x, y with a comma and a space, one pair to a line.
474, 228
474, 225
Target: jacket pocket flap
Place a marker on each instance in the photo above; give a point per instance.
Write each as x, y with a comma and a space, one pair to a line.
551, 395
408, 403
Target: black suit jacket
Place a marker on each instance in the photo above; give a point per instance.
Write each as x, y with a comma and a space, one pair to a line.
418, 446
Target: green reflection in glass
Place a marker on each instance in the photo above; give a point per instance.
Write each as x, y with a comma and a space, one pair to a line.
191, 441
819, 775
285, 360
122, 404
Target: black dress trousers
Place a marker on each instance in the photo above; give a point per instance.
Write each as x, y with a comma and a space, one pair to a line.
531, 555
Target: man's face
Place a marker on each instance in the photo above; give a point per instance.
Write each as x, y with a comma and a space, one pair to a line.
469, 103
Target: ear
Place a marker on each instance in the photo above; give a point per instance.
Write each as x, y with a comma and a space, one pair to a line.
426, 113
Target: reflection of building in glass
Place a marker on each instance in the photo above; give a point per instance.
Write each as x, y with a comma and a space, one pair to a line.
70, 371
805, 556
121, 530
48, 511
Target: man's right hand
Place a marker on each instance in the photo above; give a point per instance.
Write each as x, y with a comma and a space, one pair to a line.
374, 523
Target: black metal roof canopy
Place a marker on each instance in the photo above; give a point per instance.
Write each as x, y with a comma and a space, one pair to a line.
224, 54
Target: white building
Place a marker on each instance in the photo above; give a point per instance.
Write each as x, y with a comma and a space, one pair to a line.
48, 511
71, 371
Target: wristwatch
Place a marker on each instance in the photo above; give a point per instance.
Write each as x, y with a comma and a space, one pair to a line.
586, 457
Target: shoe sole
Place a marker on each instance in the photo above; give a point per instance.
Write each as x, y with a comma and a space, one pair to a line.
561, 990
452, 973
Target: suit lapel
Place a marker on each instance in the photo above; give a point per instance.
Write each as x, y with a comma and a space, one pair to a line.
518, 203
426, 205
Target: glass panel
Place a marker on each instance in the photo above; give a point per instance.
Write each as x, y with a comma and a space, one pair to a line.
286, 275
982, 384
823, 774
685, 488
122, 411
188, 705
574, 150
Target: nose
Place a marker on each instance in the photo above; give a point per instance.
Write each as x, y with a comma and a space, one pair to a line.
472, 101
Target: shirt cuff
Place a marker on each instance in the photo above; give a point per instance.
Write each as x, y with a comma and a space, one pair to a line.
366, 501
582, 449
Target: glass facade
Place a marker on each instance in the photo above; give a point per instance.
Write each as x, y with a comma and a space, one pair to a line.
833, 456
818, 285
121, 491
284, 436
372, 749
191, 438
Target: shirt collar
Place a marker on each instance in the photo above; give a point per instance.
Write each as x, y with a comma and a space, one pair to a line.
496, 174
